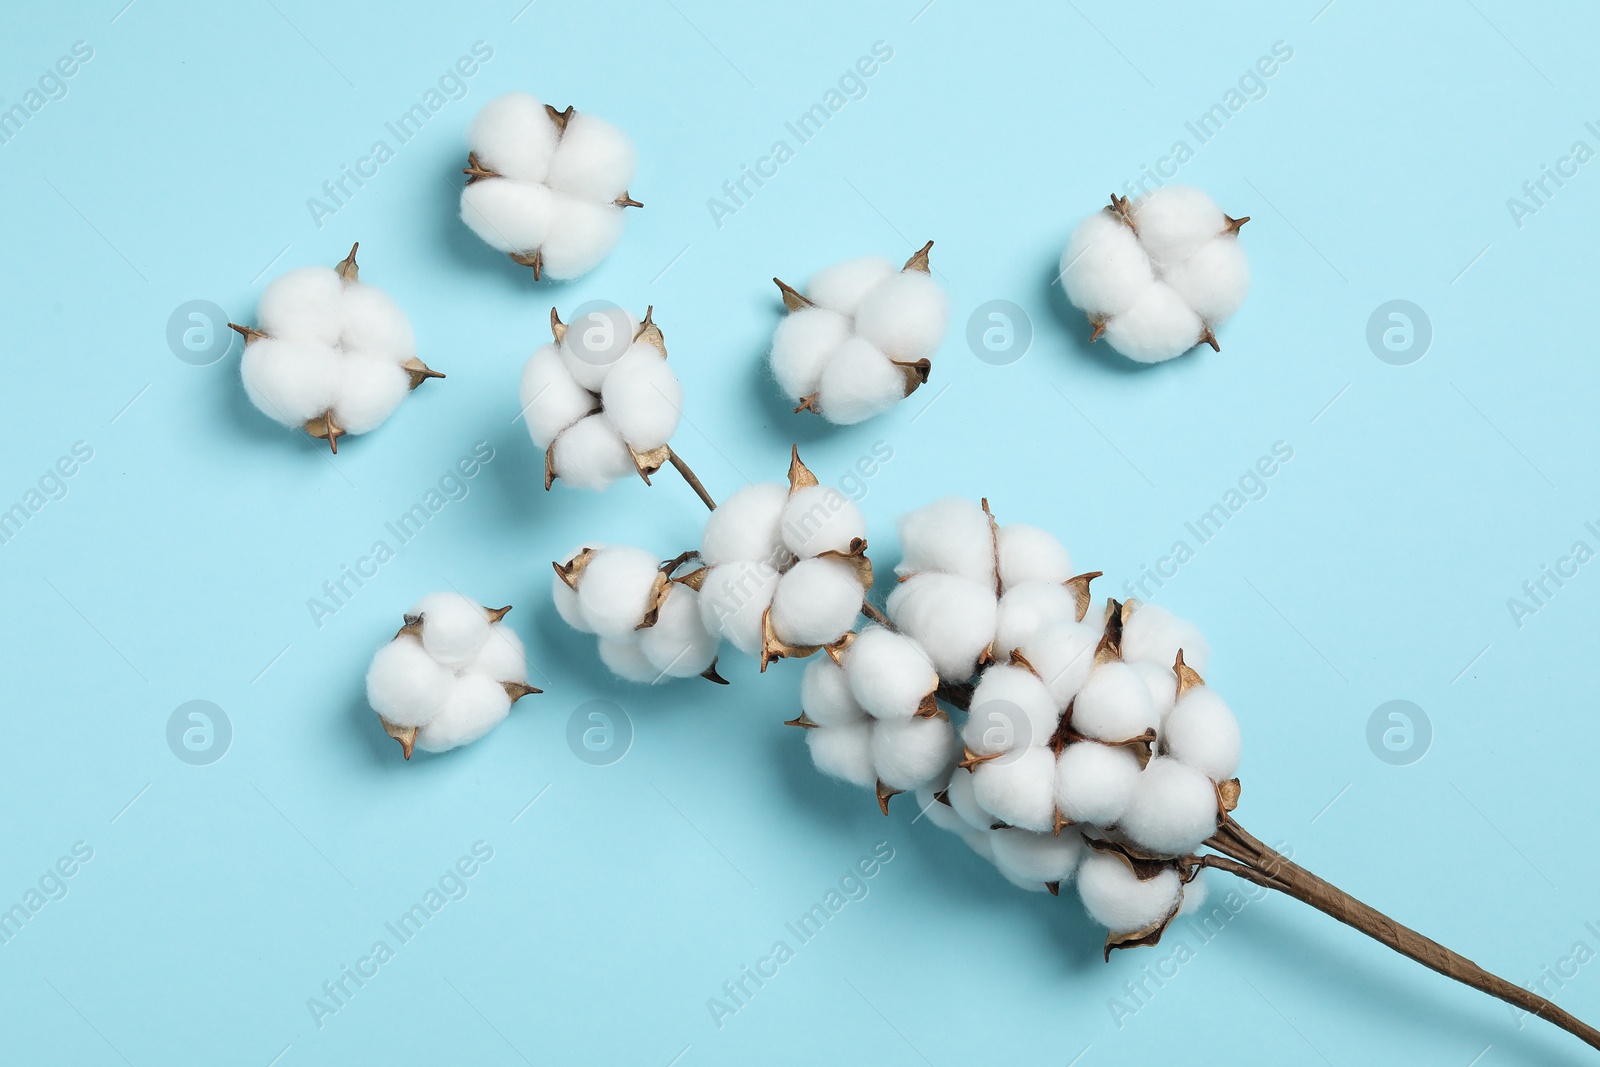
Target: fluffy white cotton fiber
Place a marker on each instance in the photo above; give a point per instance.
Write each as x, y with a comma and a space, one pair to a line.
802, 347
475, 706
815, 602
454, 628
1018, 789
1010, 709
406, 683
1117, 899
615, 590
951, 535
733, 598
1094, 782
909, 753
825, 694
1032, 857
677, 644
1202, 732
1155, 634
888, 674
818, 519
1114, 704
746, 526
953, 618
1063, 655
1173, 809
858, 382
1028, 554
844, 752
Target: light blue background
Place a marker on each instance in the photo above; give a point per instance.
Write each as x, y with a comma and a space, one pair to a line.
1376, 166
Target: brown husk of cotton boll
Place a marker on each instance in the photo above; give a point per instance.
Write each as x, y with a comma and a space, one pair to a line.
571, 573
915, 371
323, 427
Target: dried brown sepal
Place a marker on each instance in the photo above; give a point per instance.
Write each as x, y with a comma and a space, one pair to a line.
1078, 586
347, 268
915, 373
412, 627
1098, 331
836, 650
710, 674
1150, 935
1144, 865
419, 371
517, 690
650, 333
476, 171
855, 557
884, 793
323, 428
919, 259
1228, 795
1208, 338
406, 735
1234, 225
670, 565
1142, 745
800, 476
943, 797
929, 707
774, 648
249, 333
1017, 659
994, 544
1188, 677
570, 571
801, 720
626, 201
1054, 887
1061, 823
534, 259
1064, 735
1123, 209
694, 579
558, 329
550, 466
647, 463
808, 403
658, 596
971, 759
496, 614
1110, 647
560, 118
793, 299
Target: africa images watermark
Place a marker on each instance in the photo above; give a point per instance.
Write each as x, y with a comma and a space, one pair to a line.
1538, 592
48, 88
50, 886
50, 486
1537, 192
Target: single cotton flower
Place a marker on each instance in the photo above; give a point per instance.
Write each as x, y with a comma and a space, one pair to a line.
1157, 276
546, 187
861, 337
329, 355
449, 676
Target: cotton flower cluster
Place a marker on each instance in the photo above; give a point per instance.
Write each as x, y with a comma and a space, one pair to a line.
600, 399
331, 355
1158, 275
860, 338
546, 187
648, 622
449, 676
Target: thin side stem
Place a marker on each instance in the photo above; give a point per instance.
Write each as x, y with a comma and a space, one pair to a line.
870, 610
1267, 867
693, 480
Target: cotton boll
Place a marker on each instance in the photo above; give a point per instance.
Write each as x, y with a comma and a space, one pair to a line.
1202, 732
1010, 709
733, 598
1175, 221
566, 598
964, 801
594, 160
843, 286
951, 617
514, 136
371, 387
678, 645
981, 842
1157, 327
1094, 783
888, 674
747, 526
941, 815
825, 695
1114, 704
406, 685
1019, 791
1115, 898
454, 628
476, 705
904, 316
590, 454
642, 398
1028, 554
844, 752
502, 657
1174, 808
290, 381
1214, 280
372, 322
909, 753
801, 347
1037, 858
820, 519
594, 343
624, 658
815, 602
1155, 634
1104, 269
510, 216
306, 304
1063, 654
1027, 609
551, 398
858, 383
1162, 683
582, 233
951, 535
615, 588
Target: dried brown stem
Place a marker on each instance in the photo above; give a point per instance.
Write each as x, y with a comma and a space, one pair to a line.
694, 481
871, 611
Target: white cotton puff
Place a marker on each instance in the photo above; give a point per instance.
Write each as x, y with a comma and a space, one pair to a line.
820, 519
1173, 810
1214, 280
952, 535
1157, 327
502, 656
842, 287
1155, 634
909, 753
1174, 222
951, 617
904, 316
1104, 269
733, 598
859, 382
1019, 789
1201, 731
747, 526
454, 627
981, 842
801, 347
306, 303
406, 685
551, 398
615, 588
1114, 704
1094, 782
888, 674
590, 454
475, 706
624, 658
1028, 554
1115, 898
1162, 683
370, 321
595, 341
1063, 654
1195, 892
370, 388
582, 233
566, 598
1010, 709
1032, 857
290, 381
594, 160
844, 752
678, 644
825, 694
513, 135
815, 602
509, 216
1029, 608
964, 801
941, 815
642, 398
